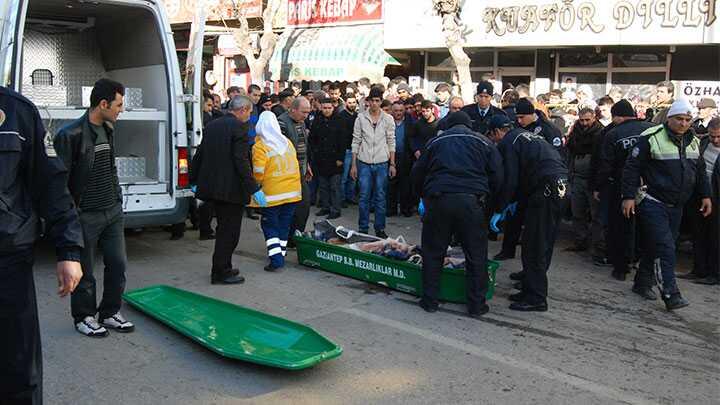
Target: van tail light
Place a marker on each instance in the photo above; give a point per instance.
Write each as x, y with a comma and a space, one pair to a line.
183, 168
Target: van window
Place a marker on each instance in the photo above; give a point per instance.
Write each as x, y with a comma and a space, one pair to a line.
9, 19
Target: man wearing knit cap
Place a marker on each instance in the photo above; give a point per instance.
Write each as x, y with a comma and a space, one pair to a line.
616, 147
667, 158
483, 111
707, 109
535, 122
403, 91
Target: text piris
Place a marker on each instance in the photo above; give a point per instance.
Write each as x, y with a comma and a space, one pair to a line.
360, 264
567, 14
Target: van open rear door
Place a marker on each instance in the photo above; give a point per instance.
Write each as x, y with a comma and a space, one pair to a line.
12, 17
194, 74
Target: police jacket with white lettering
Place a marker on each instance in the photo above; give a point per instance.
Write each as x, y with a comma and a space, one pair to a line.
33, 184
458, 161
616, 147
670, 166
529, 161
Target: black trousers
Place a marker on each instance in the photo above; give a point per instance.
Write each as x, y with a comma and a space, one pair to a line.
227, 235
513, 230
400, 193
706, 243
302, 211
622, 234
205, 213
20, 354
103, 232
464, 216
542, 218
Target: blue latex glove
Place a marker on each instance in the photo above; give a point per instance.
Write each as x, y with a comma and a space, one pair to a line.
259, 197
510, 210
495, 220
193, 188
421, 208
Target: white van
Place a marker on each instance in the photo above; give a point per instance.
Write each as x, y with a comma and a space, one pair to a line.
53, 51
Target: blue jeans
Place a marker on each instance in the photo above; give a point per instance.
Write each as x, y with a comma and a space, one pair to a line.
373, 180
348, 184
659, 227
275, 225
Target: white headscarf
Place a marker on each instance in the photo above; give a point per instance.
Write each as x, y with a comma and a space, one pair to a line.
268, 129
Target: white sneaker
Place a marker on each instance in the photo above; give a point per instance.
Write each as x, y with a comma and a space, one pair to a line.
118, 323
89, 327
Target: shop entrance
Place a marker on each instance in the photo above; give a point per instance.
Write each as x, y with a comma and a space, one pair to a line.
511, 77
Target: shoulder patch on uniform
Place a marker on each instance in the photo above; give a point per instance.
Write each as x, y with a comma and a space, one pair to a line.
49, 146
635, 152
557, 142
2, 117
537, 130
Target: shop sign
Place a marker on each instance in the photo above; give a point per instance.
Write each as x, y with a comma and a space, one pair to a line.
182, 11
696, 90
312, 13
536, 23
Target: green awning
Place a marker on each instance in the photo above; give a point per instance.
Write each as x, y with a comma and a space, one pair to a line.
344, 53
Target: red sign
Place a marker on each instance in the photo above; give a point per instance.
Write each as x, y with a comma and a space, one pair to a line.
307, 13
182, 11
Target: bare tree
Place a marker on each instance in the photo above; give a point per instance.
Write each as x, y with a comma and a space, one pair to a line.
454, 30
257, 62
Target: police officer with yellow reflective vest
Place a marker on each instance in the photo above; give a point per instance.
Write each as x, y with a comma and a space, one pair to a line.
667, 160
457, 176
33, 185
536, 177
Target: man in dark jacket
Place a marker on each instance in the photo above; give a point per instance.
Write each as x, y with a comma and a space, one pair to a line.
535, 177
705, 269
86, 147
615, 149
483, 111
399, 187
534, 121
667, 158
327, 149
33, 185
586, 133
457, 175
348, 116
223, 175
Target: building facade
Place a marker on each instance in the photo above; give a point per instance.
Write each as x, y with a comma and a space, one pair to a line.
611, 45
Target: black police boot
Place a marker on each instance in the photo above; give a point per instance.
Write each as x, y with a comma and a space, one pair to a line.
525, 306
645, 292
479, 311
517, 297
504, 256
517, 276
231, 276
674, 301
427, 306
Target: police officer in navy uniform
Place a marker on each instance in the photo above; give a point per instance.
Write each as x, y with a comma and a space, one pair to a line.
616, 146
667, 159
534, 121
535, 176
32, 186
457, 176
481, 112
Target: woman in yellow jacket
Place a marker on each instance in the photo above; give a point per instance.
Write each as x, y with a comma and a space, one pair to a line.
276, 169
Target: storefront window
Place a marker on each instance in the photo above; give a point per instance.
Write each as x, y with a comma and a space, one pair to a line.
585, 59
638, 86
516, 58
650, 59
570, 81
444, 60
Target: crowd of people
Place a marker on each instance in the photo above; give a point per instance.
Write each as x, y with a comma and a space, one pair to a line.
357, 143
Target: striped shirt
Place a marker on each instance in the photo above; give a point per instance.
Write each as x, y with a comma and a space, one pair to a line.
100, 192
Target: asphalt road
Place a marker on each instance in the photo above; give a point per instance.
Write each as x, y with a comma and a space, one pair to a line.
598, 344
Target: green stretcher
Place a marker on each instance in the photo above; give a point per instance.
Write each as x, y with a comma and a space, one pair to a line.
397, 275
233, 331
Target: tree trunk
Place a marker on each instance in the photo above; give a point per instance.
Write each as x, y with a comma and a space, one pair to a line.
258, 64
449, 11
